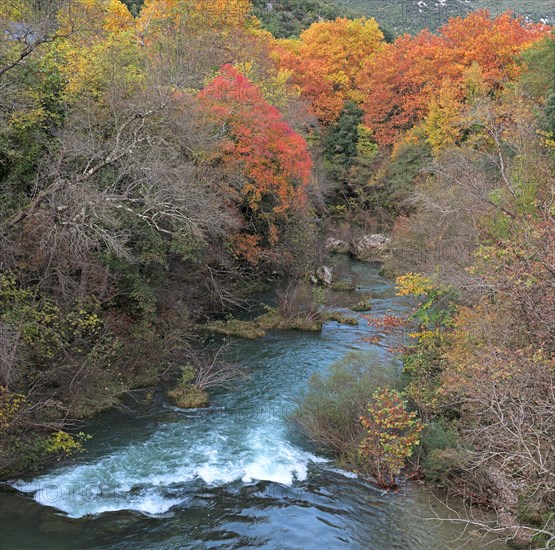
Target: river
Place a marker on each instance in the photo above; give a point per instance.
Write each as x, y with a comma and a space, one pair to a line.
235, 475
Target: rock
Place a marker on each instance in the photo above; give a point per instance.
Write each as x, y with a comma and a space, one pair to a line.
363, 305
343, 286
372, 246
341, 318
337, 246
324, 275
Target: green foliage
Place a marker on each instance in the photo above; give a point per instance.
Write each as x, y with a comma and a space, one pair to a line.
422, 362
288, 18
404, 170
319, 293
436, 302
538, 63
46, 329
538, 79
342, 139
440, 455
32, 109
134, 6
188, 375
10, 405
329, 412
23, 453
351, 153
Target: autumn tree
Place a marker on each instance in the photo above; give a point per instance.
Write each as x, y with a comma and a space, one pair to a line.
484, 223
272, 158
392, 434
117, 200
158, 17
326, 60
400, 81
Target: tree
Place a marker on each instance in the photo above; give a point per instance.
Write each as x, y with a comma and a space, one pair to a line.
25, 27
342, 139
326, 59
399, 82
484, 224
159, 17
273, 159
443, 121
392, 435
537, 79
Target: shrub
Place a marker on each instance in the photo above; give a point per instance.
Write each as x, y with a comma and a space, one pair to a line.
299, 301
392, 434
188, 394
330, 410
440, 456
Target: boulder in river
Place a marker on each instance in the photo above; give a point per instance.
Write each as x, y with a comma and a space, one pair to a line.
372, 247
337, 246
324, 275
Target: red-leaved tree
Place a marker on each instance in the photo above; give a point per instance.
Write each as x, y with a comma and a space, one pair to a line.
272, 159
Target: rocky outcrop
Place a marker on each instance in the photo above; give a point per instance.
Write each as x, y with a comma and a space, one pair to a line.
337, 246
323, 275
372, 247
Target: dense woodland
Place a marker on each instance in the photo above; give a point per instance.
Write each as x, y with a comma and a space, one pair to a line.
157, 165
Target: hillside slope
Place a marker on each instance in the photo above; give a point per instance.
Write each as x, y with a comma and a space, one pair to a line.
415, 15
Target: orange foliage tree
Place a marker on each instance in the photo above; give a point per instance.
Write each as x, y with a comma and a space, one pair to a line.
326, 59
399, 82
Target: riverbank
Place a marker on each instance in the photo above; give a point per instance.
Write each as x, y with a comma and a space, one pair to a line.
237, 473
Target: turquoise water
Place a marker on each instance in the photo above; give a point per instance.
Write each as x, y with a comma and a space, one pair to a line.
236, 475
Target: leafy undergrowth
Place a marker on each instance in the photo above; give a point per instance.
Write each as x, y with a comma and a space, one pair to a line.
274, 320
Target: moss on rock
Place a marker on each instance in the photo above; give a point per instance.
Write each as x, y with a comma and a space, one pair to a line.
235, 327
363, 305
340, 318
343, 286
274, 320
189, 397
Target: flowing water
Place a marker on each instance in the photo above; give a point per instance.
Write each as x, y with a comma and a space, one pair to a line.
236, 475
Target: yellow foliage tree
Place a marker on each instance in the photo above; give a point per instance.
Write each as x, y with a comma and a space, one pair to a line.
443, 121
105, 54
326, 60
157, 16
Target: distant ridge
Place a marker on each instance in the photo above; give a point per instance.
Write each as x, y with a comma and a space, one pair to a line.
400, 16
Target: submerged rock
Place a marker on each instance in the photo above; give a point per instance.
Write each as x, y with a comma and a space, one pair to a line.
340, 317
363, 305
343, 286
